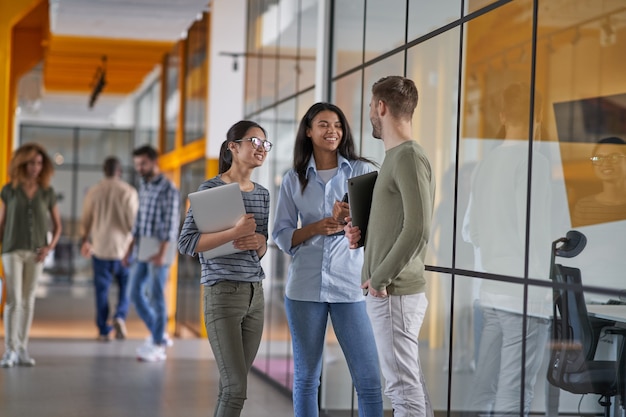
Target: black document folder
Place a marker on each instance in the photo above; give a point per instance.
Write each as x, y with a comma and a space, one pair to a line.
360, 191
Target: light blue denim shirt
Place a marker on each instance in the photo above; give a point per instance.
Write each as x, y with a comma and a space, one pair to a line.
323, 268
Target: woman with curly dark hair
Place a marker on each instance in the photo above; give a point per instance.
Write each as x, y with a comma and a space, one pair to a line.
28, 202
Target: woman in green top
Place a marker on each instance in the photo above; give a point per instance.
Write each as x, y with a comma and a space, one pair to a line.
27, 201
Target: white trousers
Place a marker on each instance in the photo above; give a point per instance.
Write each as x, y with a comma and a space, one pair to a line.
396, 321
21, 274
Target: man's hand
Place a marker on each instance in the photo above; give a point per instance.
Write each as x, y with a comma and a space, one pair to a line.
86, 250
353, 233
374, 293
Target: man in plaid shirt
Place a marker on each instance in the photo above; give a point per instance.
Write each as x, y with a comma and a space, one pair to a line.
155, 234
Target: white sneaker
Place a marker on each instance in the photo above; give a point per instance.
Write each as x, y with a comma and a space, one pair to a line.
152, 353
166, 339
24, 359
9, 359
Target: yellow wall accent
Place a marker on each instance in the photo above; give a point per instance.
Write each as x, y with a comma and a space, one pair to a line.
12, 13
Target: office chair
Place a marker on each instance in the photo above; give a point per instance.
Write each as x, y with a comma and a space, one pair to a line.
572, 366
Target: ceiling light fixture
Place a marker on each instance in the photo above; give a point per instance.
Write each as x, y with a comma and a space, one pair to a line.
99, 81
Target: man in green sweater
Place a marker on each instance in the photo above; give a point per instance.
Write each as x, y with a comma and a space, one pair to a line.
395, 246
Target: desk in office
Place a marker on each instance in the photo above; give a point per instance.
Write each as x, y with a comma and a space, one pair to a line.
612, 312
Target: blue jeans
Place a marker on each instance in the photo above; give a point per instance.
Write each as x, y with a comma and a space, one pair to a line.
307, 323
233, 316
148, 294
103, 273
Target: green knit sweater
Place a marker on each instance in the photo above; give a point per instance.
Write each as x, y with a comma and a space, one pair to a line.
399, 224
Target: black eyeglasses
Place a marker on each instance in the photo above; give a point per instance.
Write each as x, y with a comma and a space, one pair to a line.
257, 143
611, 159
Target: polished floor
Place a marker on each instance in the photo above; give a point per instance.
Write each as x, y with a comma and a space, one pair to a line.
76, 375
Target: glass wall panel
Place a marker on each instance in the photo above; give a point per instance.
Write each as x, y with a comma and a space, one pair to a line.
434, 67
253, 60
268, 51
424, 16
96, 144
385, 26
189, 290
274, 358
475, 5
394, 65
149, 116
347, 46
579, 76
58, 141
75, 172
196, 81
308, 44
172, 98
347, 95
494, 144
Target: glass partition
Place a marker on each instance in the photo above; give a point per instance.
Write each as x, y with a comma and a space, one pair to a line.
522, 121
78, 155
171, 106
196, 80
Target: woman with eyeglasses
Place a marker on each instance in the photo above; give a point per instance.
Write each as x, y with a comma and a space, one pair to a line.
324, 275
233, 293
609, 204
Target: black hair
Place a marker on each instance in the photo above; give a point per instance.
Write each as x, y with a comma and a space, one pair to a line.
611, 140
148, 151
111, 165
236, 131
303, 148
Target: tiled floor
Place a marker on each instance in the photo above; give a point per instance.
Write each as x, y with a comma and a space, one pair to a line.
78, 376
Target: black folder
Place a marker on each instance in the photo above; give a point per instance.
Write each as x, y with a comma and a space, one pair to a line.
360, 191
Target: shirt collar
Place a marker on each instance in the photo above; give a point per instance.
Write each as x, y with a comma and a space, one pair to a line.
342, 163
154, 181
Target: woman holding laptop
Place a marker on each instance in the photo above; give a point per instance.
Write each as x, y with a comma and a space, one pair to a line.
233, 294
324, 275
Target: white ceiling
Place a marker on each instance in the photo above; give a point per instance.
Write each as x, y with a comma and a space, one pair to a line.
158, 20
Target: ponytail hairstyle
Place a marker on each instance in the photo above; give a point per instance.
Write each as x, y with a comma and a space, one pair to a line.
303, 148
236, 132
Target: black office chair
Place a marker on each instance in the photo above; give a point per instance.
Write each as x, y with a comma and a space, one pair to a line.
572, 365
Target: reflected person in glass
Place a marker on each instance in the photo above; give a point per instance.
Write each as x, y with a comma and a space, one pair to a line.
497, 216
609, 205
234, 305
324, 274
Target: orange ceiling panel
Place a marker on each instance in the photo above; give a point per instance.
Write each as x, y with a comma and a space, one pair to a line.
71, 63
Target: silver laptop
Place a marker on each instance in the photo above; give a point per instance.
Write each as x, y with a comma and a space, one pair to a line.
217, 209
150, 246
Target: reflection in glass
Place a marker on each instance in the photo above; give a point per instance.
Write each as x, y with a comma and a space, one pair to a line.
496, 226
609, 166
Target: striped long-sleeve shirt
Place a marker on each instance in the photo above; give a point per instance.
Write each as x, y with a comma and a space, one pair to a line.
159, 210
241, 266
